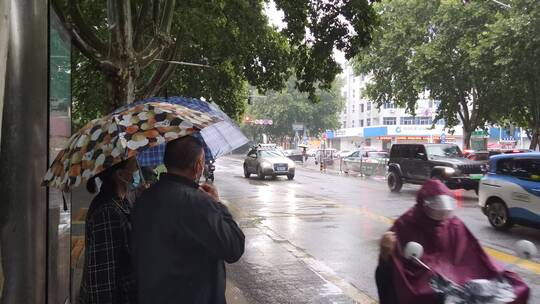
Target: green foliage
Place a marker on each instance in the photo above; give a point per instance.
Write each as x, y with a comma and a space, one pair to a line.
232, 36
431, 46
292, 106
514, 41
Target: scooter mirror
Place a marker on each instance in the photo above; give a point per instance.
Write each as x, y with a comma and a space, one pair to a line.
413, 250
526, 249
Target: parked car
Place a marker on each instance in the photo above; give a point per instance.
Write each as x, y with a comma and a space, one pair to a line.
415, 163
510, 192
344, 153
268, 161
295, 155
326, 155
357, 159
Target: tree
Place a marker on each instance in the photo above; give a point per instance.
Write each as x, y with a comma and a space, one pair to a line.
514, 39
132, 43
291, 106
430, 47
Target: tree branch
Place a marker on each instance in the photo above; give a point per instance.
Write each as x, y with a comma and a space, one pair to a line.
166, 18
163, 71
85, 31
121, 31
139, 25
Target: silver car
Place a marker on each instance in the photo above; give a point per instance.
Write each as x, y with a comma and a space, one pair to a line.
268, 162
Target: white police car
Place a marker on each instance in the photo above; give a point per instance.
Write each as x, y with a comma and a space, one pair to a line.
510, 193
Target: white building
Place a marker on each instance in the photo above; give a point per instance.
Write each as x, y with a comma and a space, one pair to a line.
363, 124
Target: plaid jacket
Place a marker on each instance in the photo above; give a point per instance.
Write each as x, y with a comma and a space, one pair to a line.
107, 274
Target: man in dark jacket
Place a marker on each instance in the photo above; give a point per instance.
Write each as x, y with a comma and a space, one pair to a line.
182, 233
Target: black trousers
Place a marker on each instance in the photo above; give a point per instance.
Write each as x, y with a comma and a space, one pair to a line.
385, 284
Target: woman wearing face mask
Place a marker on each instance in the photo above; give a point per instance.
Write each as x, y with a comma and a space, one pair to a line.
108, 273
449, 248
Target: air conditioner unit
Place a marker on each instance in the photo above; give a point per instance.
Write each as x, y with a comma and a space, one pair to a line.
392, 111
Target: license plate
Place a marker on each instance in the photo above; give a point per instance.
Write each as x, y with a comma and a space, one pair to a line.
476, 176
282, 168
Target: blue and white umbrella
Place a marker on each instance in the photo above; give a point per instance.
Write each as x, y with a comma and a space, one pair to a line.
219, 138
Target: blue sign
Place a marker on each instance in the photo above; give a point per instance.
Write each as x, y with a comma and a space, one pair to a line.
443, 138
375, 131
398, 129
329, 134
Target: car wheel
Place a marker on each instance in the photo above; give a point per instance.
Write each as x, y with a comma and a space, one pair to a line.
497, 215
260, 173
394, 181
290, 176
246, 172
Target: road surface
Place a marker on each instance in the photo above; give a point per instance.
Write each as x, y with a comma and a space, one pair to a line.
315, 239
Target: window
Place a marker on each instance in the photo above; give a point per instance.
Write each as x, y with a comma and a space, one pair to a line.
444, 151
353, 123
389, 105
369, 106
344, 124
353, 93
430, 104
388, 121
361, 122
361, 108
59, 210
526, 168
423, 120
407, 120
352, 108
368, 122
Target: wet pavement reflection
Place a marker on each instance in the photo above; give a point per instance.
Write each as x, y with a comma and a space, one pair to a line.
315, 239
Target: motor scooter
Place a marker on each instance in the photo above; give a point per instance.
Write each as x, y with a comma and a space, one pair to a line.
478, 291
209, 169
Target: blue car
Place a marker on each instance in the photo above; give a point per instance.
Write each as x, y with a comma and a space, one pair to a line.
510, 193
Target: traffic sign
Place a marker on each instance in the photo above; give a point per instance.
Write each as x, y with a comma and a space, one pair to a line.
443, 138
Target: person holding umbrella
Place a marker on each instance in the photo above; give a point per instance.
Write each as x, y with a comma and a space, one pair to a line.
104, 149
108, 275
182, 233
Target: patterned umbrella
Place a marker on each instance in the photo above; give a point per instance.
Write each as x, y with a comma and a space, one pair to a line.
219, 138
107, 141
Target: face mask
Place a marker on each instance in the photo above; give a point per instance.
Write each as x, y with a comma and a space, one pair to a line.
439, 207
136, 179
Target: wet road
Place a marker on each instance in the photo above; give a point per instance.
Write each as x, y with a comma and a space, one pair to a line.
315, 239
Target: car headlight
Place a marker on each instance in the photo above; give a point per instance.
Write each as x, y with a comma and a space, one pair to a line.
266, 165
449, 171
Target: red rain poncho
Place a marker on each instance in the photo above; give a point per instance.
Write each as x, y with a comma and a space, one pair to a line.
449, 248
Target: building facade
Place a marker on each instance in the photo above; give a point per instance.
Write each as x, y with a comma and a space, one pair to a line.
363, 123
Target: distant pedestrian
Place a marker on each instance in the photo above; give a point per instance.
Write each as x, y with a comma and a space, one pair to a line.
182, 233
108, 275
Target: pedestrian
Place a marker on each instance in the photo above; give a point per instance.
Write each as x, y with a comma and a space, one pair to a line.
182, 233
449, 247
108, 275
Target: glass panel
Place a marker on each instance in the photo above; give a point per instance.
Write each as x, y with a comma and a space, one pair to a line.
59, 244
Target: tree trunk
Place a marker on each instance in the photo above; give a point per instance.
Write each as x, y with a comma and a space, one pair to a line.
121, 87
535, 140
466, 139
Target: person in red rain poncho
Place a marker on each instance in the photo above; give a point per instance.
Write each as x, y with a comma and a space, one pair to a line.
449, 249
